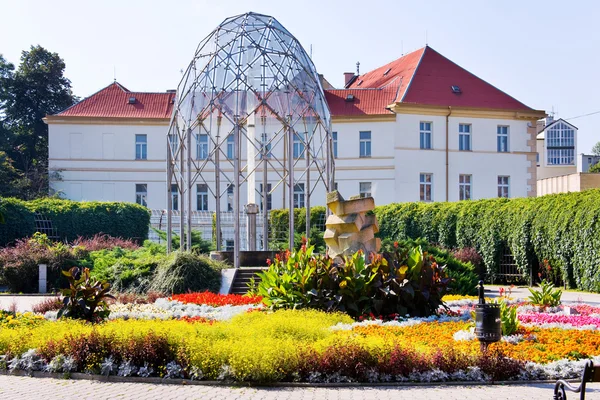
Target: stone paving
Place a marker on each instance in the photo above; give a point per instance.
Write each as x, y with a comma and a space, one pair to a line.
17, 387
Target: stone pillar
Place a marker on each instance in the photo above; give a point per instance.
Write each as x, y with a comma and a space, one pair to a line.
252, 211
43, 277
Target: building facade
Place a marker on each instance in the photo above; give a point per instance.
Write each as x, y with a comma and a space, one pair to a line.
418, 129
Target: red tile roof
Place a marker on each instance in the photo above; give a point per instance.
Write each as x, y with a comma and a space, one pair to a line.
113, 102
398, 73
366, 101
421, 77
426, 77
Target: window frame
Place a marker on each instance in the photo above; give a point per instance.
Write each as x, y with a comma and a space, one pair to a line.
425, 135
299, 195
503, 187
269, 197
201, 197
174, 197
363, 191
202, 146
465, 189
230, 141
334, 137
502, 138
298, 146
141, 196
560, 148
464, 137
364, 150
424, 184
141, 147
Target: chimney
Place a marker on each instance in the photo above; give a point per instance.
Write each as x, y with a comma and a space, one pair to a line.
348, 77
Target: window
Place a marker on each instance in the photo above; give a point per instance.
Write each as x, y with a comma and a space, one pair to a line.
464, 137
265, 146
298, 145
201, 147
560, 144
141, 194
230, 144
334, 137
365, 144
229, 244
464, 187
425, 135
141, 147
502, 139
174, 143
299, 195
175, 197
202, 197
364, 189
503, 186
425, 187
269, 200
230, 198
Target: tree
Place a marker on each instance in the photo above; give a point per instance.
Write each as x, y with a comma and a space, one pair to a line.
595, 168
37, 88
596, 149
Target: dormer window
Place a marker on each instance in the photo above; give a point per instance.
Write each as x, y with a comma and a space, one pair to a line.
455, 89
132, 100
387, 71
350, 98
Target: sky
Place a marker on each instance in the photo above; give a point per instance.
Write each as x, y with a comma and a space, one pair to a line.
544, 53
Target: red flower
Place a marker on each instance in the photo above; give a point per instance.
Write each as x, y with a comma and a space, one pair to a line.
396, 244
268, 261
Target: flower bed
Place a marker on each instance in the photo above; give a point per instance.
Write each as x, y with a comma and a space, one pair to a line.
227, 340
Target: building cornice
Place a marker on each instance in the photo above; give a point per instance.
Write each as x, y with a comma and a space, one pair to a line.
423, 109
63, 120
363, 118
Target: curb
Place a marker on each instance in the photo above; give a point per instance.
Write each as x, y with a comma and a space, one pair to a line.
187, 382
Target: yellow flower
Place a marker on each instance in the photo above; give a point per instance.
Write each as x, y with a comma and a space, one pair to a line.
343, 284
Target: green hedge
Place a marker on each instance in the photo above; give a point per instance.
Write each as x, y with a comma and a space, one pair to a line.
72, 219
19, 220
563, 229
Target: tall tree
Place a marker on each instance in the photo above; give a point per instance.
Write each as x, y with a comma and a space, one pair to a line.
596, 149
37, 88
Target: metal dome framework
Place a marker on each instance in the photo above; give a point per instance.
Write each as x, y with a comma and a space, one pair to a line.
252, 105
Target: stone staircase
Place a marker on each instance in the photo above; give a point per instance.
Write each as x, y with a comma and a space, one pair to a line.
242, 278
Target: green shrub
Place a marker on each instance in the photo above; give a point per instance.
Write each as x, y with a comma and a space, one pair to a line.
547, 296
182, 272
463, 274
199, 245
402, 282
72, 219
85, 298
19, 220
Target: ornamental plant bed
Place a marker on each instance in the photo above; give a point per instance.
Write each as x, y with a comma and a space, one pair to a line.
246, 343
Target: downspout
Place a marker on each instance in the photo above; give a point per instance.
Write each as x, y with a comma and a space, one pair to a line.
447, 155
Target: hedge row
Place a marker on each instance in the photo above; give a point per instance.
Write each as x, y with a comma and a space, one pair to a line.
563, 229
71, 219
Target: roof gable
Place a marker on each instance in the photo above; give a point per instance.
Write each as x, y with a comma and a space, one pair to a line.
433, 80
113, 102
399, 73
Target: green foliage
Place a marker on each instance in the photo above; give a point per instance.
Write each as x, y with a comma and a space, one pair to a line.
199, 245
463, 274
508, 316
279, 223
596, 149
126, 270
85, 298
596, 167
35, 89
19, 220
72, 219
563, 229
408, 282
547, 296
182, 272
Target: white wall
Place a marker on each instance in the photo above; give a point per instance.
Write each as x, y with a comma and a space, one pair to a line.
97, 162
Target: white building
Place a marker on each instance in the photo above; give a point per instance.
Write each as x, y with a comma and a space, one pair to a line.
420, 128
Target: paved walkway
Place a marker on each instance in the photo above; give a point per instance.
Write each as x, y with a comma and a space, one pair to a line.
14, 387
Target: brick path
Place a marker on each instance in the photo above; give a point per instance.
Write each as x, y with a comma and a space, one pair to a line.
16, 387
